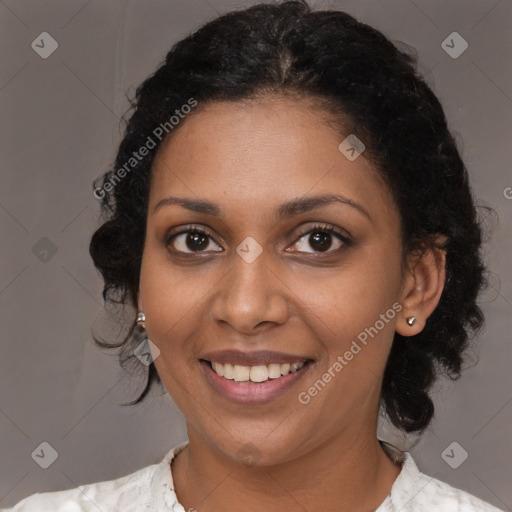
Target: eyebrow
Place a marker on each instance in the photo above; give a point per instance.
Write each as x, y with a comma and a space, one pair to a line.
286, 210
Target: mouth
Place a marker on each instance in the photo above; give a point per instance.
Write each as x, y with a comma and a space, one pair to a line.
256, 384
257, 373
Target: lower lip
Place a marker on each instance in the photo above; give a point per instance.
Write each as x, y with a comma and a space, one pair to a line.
253, 393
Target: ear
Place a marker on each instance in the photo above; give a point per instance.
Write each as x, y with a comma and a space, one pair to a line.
423, 285
140, 306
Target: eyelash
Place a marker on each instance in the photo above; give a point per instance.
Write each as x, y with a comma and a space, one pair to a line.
318, 228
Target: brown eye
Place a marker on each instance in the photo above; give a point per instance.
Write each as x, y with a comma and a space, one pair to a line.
191, 241
321, 239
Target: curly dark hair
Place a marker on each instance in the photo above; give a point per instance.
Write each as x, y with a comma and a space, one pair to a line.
375, 90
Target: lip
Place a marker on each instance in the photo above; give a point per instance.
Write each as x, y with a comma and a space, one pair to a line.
254, 358
252, 393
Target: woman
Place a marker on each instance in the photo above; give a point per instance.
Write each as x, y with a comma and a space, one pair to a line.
290, 216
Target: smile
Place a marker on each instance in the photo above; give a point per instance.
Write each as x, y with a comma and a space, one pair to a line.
259, 373
253, 385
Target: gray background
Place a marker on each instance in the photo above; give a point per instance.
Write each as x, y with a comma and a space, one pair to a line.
59, 130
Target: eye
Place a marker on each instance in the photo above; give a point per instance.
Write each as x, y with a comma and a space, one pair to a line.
191, 240
321, 238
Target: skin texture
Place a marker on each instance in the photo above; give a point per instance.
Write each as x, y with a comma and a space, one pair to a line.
250, 158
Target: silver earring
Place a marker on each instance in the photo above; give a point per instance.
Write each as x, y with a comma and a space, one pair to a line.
141, 318
410, 320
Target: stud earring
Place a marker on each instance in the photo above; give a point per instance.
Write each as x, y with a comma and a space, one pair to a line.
410, 320
141, 318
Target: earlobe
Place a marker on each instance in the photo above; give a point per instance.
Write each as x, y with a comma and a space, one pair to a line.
424, 284
140, 306
140, 320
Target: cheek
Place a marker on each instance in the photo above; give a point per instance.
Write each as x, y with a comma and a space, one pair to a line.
170, 300
352, 297
354, 319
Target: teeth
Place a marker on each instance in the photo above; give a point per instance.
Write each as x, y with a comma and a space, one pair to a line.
241, 373
274, 371
296, 366
219, 368
259, 373
228, 370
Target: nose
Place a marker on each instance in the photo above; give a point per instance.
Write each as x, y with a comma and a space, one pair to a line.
251, 297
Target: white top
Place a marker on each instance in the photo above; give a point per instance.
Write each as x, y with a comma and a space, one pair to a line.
152, 489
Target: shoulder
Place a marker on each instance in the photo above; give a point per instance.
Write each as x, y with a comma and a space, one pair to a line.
414, 491
118, 494
132, 492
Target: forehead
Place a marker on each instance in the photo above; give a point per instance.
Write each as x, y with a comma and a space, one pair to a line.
260, 153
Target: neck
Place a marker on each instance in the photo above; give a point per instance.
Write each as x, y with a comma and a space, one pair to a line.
351, 472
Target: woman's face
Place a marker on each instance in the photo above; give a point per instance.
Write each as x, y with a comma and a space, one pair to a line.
262, 276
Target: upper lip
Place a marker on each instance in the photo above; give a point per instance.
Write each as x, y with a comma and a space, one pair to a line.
253, 358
